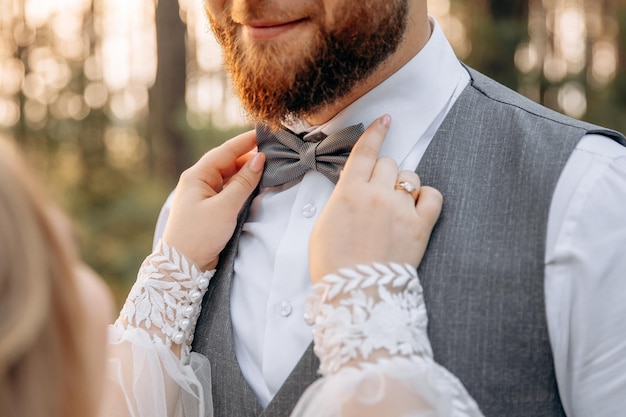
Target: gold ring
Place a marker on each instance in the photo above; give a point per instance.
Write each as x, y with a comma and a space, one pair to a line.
408, 187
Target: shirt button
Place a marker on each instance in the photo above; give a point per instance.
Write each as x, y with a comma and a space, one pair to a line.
308, 210
285, 309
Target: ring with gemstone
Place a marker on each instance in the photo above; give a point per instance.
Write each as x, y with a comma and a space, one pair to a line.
408, 187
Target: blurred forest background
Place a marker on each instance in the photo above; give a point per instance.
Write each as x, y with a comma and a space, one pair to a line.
112, 99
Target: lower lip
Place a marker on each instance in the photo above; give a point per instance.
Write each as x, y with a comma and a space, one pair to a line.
269, 32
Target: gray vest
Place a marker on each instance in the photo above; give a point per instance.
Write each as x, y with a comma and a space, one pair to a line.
496, 159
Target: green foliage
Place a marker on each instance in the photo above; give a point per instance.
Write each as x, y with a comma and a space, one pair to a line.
494, 44
116, 232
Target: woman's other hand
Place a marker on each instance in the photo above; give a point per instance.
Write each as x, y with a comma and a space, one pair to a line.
209, 196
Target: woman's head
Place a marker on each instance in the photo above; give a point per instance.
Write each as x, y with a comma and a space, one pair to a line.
52, 344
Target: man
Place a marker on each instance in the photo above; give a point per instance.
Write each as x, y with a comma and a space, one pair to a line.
523, 278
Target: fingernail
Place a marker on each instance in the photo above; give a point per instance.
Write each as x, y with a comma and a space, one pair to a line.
386, 121
256, 163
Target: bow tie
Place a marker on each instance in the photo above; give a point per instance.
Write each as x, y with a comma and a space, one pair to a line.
288, 156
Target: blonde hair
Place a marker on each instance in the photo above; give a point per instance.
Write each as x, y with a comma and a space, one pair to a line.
43, 366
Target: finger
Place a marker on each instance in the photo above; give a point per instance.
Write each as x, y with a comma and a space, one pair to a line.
243, 159
220, 163
224, 157
385, 172
410, 177
429, 203
364, 155
243, 183
239, 145
408, 183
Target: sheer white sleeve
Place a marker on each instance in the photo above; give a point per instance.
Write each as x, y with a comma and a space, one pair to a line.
375, 355
151, 369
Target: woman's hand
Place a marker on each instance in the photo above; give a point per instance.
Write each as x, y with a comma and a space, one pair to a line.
208, 198
367, 219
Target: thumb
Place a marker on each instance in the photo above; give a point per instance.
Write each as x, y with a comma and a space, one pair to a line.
243, 183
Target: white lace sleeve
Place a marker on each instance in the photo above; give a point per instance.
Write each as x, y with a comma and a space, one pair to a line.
152, 371
375, 355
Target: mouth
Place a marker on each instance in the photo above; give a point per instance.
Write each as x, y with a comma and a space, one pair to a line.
268, 30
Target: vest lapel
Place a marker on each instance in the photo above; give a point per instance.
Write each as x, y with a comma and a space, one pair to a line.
303, 375
232, 396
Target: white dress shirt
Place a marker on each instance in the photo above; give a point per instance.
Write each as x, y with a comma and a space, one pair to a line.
585, 275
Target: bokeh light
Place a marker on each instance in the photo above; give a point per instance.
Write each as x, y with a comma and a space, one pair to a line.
571, 98
124, 146
9, 112
570, 42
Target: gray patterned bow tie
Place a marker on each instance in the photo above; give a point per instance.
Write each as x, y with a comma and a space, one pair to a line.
288, 156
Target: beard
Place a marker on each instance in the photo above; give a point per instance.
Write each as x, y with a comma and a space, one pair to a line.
279, 83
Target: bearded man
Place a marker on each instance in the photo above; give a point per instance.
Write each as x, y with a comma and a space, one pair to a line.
524, 275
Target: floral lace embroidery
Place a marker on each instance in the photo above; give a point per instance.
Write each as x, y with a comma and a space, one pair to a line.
368, 313
165, 300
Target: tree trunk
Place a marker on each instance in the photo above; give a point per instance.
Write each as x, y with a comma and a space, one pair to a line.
170, 153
